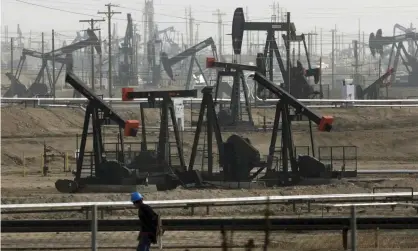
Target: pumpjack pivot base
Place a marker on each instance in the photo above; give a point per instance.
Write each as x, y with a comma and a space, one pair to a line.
66, 186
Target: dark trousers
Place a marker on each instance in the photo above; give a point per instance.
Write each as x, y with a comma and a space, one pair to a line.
144, 243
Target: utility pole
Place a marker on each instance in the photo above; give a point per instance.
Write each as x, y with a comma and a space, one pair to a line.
6, 32
43, 51
191, 26
288, 53
320, 66
187, 24
356, 56
310, 42
333, 57
219, 14
145, 38
109, 15
342, 41
364, 47
92, 22
247, 17
30, 39
53, 63
359, 39
279, 34
197, 34
316, 43
11, 55
320, 46
100, 62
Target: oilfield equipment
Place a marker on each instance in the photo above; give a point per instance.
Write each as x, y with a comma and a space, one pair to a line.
62, 56
373, 90
191, 52
231, 162
398, 52
300, 87
105, 170
239, 161
128, 68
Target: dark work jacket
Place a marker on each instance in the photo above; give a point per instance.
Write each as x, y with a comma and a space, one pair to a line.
149, 219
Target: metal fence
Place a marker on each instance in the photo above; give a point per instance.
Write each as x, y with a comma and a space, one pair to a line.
60, 230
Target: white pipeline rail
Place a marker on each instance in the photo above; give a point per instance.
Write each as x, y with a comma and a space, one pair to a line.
229, 201
314, 103
198, 100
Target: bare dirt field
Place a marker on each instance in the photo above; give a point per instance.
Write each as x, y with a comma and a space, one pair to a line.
387, 138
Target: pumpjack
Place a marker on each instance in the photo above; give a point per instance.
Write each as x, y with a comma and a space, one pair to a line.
128, 70
241, 162
300, 87
62, 55
294, 169
410, 61
189, 52
158, 165
373, 90
110, 173
105, 171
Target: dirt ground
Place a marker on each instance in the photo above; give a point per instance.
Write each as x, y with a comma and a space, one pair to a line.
330, 241
386, 139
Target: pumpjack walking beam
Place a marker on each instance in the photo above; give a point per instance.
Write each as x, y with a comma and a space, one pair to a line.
167, 106
96, 105
282, 110
190, 52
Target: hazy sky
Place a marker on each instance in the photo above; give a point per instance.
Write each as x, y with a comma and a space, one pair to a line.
306, 14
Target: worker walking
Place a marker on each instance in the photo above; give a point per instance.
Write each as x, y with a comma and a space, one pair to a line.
149, 223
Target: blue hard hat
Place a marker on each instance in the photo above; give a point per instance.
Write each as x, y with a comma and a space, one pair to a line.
135, 196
